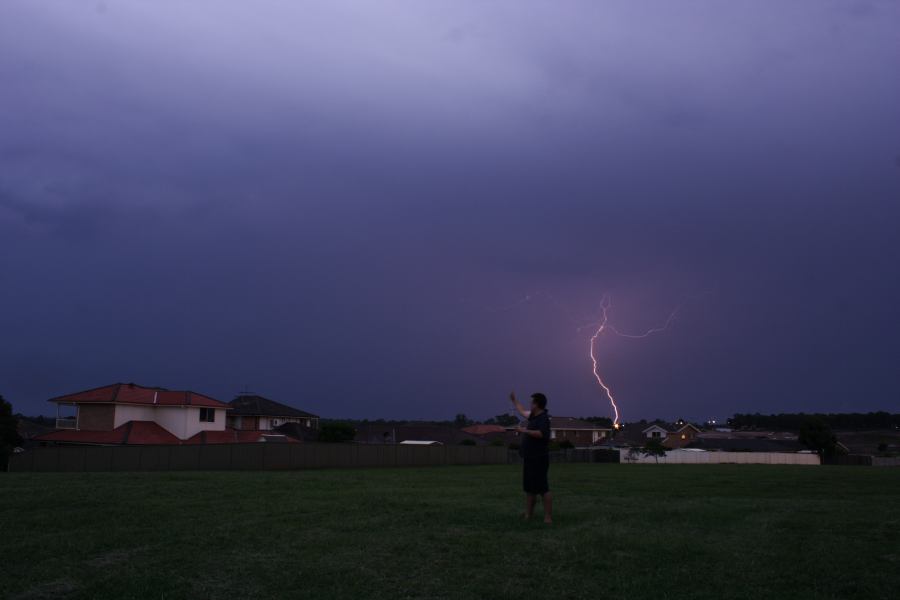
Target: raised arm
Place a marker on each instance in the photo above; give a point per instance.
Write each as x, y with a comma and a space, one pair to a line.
518, 405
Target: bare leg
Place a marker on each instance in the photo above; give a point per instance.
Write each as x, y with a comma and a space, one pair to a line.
547, 501
529, 505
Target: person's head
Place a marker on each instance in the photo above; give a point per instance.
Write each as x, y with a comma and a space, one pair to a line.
538, 402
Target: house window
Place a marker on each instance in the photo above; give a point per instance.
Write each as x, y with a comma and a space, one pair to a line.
207, 415
657, 434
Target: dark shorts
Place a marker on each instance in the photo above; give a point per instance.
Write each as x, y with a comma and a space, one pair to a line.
534, 475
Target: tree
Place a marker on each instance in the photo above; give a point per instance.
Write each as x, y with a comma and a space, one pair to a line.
9, 431
816, 435
505, 420
601, 421
461, 420
336, 432
632, 455
654, 447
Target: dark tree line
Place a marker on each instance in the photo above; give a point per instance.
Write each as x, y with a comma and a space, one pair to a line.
9, 432
796, 421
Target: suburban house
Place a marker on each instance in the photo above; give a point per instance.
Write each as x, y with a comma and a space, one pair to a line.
677, 435
127, 413
580, 433
252, 412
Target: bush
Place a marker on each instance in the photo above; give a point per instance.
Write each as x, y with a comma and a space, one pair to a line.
467, 442
553, 446
498, 443
566, 444
336, 433
9, 435
816, 435
654, 448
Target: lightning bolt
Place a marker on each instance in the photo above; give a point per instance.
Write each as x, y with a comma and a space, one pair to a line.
603, 325
600, 327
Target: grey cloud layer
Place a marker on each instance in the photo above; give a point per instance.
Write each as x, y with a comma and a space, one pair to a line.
328, 200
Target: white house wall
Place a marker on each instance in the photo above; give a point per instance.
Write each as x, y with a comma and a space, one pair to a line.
130, 412
174, 419
193, 425
707, 458
181, 421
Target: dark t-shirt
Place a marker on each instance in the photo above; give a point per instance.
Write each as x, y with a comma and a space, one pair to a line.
533, 447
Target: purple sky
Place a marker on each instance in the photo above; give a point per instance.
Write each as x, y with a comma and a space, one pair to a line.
342, 205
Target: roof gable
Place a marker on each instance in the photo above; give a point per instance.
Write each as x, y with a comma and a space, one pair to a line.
655, 427
688, 426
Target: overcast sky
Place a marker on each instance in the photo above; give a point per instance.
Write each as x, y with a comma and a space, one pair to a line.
406, 209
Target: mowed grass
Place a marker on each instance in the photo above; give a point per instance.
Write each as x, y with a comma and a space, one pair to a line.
621, 531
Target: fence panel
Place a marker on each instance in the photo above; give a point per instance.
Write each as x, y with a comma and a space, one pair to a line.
184, 458
256, 456
154, 458
247, 457
125, 458
276, 456
98, 458
215, 457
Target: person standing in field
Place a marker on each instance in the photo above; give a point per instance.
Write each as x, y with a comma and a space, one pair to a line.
535, 454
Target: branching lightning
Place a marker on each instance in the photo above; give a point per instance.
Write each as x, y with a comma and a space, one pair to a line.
603, 326
599, 326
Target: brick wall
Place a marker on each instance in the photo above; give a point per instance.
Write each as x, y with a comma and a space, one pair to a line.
96, 417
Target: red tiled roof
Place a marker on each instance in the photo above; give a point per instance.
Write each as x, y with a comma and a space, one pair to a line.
132, 432
148, 433
130, 393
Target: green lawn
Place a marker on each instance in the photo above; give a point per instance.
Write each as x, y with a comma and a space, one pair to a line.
621, 531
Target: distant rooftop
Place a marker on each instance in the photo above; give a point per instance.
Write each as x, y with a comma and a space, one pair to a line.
253, 405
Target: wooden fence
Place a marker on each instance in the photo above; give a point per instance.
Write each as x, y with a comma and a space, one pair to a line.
866, 460
575, 455
255, 456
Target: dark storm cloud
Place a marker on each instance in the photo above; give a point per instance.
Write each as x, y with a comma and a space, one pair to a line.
343, 204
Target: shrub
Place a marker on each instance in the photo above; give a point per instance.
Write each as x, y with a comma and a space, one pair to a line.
816, 435
654, 448
467, 442
9, 435
566, 444
336, 432
497, 443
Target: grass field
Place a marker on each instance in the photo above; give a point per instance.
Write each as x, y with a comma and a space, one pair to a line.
621, 531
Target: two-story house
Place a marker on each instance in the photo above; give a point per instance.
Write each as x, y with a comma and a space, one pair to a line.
127, 413
249, 411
